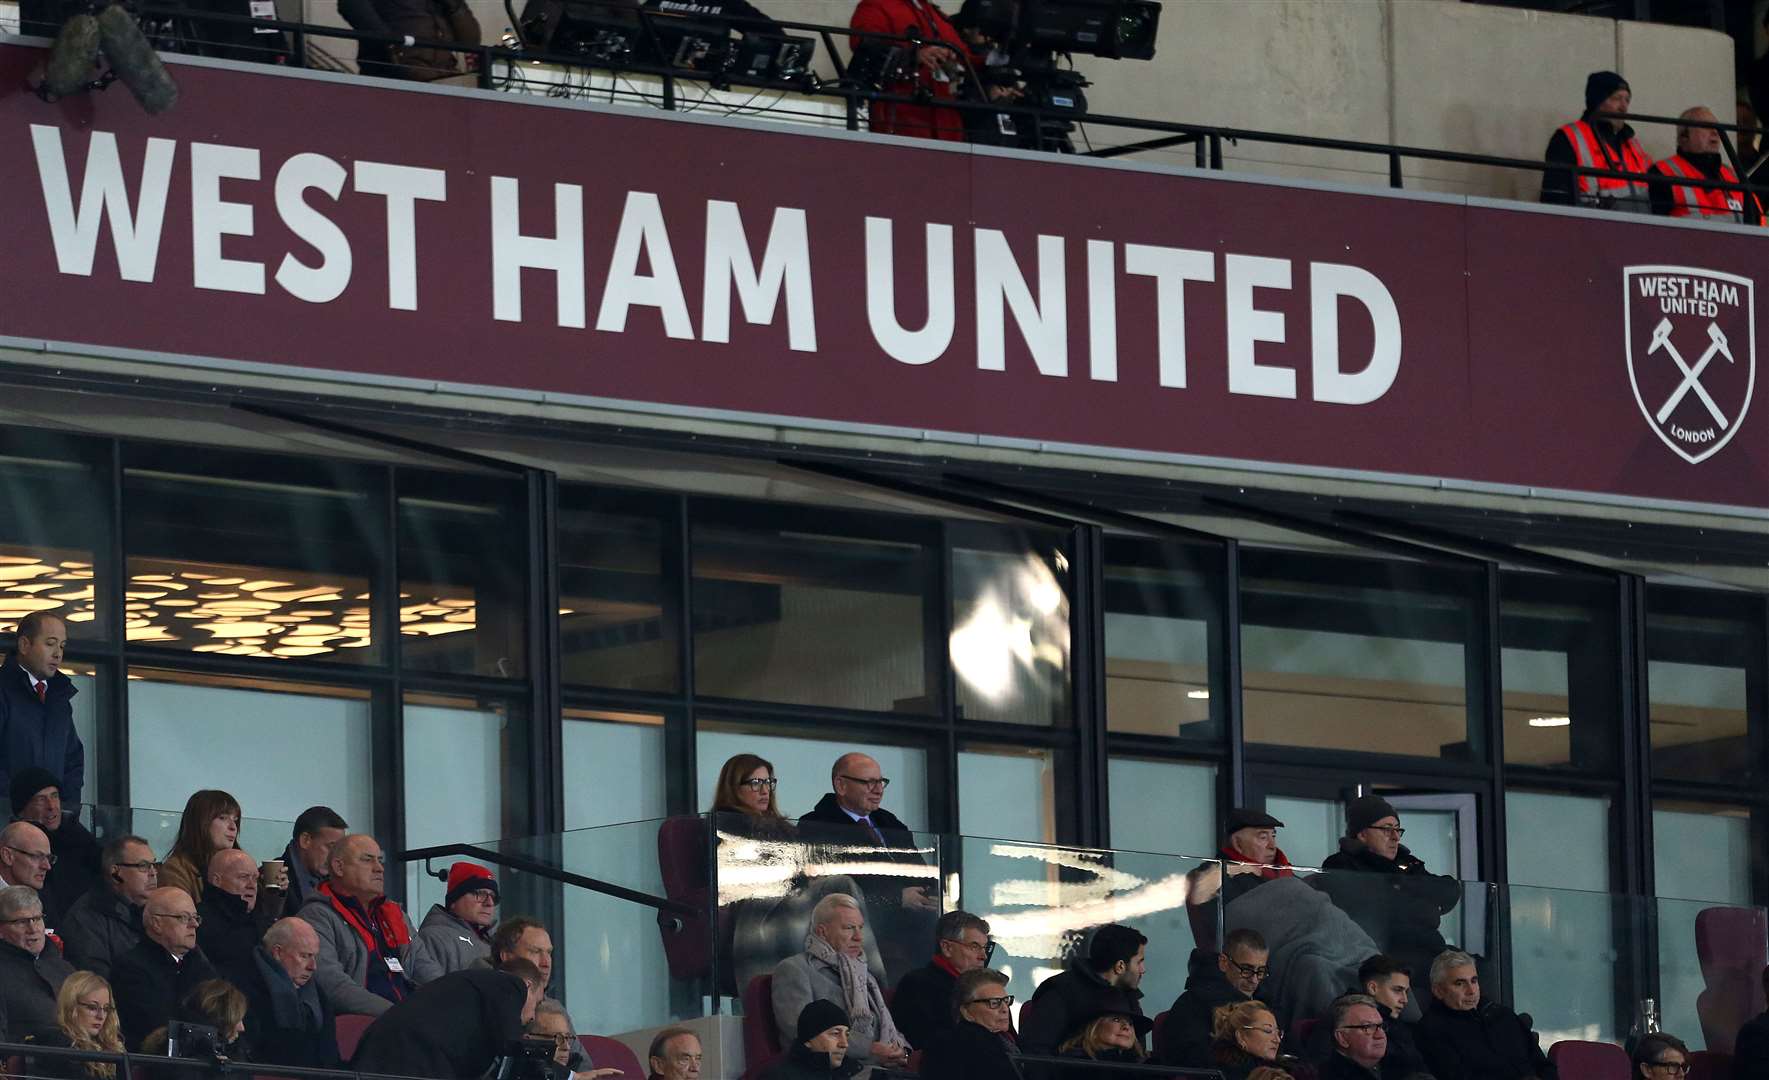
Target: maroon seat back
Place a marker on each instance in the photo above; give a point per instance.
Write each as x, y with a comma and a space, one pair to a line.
682, 861
761, 1038
1304, 1028
1710, 1065
1590, 1060
613, 1054
1731, 944
350, 1029
1158, 1037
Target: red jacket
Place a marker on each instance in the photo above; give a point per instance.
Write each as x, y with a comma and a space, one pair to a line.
918, 19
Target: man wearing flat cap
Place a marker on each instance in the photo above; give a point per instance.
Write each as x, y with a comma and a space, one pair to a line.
1598, 141
1251, 857
1385, 888
457, 931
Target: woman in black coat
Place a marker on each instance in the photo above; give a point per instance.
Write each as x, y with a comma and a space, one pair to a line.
820, 1051
980, 1045
454, 1026
1113, 1030
1245, 1037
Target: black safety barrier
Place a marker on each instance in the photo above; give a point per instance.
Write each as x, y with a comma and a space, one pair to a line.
128, 1065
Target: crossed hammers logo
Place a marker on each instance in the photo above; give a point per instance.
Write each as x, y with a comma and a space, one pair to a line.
1717, 346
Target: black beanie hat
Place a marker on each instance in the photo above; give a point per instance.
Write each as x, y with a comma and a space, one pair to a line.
1600, 84
819, 1016
1365, 812
27, 782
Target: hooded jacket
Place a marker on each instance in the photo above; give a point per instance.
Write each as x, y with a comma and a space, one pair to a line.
1185, 1033
453, 943
1396, 901
98, 929
1487, 1042
454, 1026
39, 733
1061, 1000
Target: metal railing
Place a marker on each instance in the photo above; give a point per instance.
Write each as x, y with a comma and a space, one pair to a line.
129, 1066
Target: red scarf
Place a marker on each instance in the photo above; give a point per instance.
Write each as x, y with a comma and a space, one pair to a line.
1278, 869
945, 965
384, 913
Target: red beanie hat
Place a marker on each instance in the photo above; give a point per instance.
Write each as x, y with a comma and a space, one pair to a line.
466, 877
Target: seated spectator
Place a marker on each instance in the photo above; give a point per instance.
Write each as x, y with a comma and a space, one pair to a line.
1359, 1037
309, 854
36, 798
1660, 1056
37, 707
1698, 157
25, 860
211, 822
1465, 1038
744, 793
85, 1019
235, 914
456, 1025
287, 1021
1386, 888
1114, 1033
675, 1054
1244, 1037
820, 1050
1390, 985
979, 1044
1230, 977
551, 1021
456, 931
212, 1003
1111, 971
1750, 1054
1251, 857
368, 959
523, 938
32, 970
153, 977
1598, 143
922, 1005
833, 968
106, 922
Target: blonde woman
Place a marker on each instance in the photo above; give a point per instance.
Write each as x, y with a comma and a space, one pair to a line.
1111, 1031
1246, 1037
85, 1019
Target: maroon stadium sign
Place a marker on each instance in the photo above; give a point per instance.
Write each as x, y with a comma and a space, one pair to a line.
325, 226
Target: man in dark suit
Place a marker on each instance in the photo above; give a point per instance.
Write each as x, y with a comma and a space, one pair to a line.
922, 1006
457, 1025
153, 977
37, 711
287, 1021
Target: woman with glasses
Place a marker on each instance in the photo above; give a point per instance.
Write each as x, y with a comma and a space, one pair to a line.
746, 787
1113, 1031
1660, 1057
1246, 1037
1385, 888
979, 1042
86, 1019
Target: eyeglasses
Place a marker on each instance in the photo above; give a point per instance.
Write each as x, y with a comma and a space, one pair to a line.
24, 920
876, 784
1249, 969
1393, 830
994, 1002
1359, 1027
1680, 1068
985, 950
188, 920
1264, 1029
759, 783
44, 857
146, 866
96, 1009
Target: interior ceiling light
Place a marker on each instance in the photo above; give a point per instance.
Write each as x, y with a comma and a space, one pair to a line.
1550, 721
1198, 695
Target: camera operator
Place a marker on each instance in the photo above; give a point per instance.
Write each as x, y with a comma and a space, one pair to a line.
998, 81
412, 20
939, 67
457, 1025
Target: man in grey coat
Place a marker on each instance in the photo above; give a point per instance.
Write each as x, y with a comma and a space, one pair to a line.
833, 968
368, 956
457, 931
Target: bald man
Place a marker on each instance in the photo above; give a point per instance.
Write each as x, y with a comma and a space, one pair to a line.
903, 905
1700, 156
369, 959
287, 1021
151, 978
235, 913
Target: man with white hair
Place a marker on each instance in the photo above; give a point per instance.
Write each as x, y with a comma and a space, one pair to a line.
1463, 1037
833, 968
31, 969
287, 1020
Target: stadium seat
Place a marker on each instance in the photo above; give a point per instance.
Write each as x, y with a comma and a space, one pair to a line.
1709, 1065
1731, 946
1590, 1060
613, 1054
1158, 1038
761, 1040
350, 1029
1304, 1028
682, 861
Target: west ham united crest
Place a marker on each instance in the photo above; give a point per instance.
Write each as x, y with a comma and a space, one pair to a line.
1692, 354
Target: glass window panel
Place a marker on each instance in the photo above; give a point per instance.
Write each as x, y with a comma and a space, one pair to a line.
1312, 827
1703, 651
190, 731
802, 767
458, 752
810, 617
1007, 794
463, 567
1168, 807
1700, 852
88, 706
618, 618
1563, 949
1356, 654
1163, 604
52, 533
1010, 625
614, 768
1560, 664
256, 557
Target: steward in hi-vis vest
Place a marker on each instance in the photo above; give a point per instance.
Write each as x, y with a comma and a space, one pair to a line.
1596, 142
1698, 158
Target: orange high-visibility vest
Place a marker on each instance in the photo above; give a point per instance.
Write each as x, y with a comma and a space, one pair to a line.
1592, 153
1703, 202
